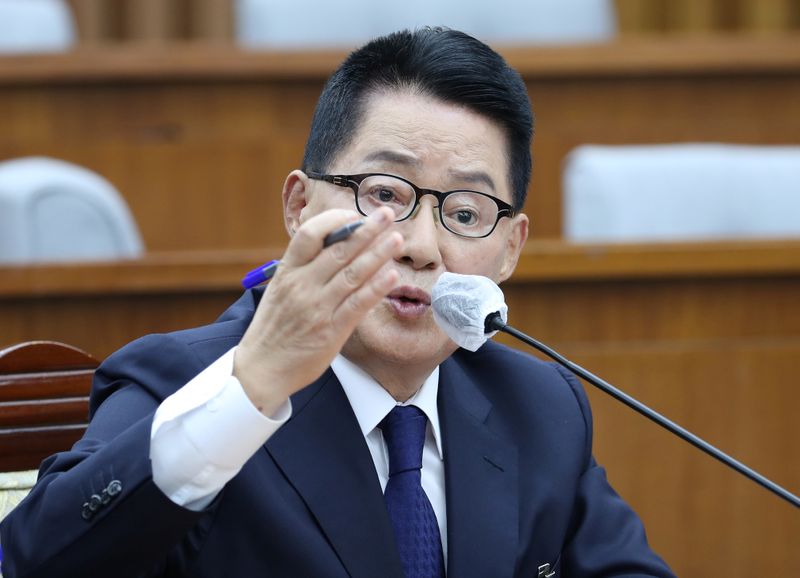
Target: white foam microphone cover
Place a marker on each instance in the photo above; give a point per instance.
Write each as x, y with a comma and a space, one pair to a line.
461, 304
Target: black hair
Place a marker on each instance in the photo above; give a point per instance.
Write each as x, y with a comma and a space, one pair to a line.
446, 64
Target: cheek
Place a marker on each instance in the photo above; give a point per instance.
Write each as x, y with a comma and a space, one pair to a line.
322, 201
474, 259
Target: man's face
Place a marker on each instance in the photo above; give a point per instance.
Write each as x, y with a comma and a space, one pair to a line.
436, 146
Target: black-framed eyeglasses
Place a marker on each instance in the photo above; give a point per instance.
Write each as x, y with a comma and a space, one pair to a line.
463, 212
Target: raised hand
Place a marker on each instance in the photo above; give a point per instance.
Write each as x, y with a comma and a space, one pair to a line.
313, 304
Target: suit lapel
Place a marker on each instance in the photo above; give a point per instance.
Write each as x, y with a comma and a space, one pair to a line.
481, 481
324, 456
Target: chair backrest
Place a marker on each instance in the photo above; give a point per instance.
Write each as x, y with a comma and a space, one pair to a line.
36, 26
277, 23
681, 192
52, 210
44, 401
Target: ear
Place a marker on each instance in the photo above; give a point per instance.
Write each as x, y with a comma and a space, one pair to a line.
295, 198
514, 243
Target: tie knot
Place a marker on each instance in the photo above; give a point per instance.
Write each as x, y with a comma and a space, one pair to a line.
404, 432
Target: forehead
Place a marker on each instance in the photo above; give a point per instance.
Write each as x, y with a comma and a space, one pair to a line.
433, 143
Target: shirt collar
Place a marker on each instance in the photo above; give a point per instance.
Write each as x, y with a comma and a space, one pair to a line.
371, 403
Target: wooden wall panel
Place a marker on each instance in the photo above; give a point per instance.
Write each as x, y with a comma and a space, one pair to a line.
639, 17
679, 17
733, 394
150, 20
199, 142
693, 16
93, 20
103, 323
212, 20
153, 21
767, 16
201, 166
717, 356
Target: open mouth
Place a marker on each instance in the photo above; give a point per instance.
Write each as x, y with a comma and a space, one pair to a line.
409, 302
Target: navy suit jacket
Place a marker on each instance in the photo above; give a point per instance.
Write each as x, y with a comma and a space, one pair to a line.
522, 487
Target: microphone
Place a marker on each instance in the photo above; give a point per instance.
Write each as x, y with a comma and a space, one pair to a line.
471, 309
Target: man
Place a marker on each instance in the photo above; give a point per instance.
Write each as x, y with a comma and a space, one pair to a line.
286, 438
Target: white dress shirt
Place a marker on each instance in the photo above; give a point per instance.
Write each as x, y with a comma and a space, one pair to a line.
203, 434
371, 403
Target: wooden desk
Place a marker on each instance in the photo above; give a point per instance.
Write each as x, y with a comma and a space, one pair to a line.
199, 139
707, 334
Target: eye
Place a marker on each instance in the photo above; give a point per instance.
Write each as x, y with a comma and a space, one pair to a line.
464, 217
384, 195
461, 212
378, 191
469, 213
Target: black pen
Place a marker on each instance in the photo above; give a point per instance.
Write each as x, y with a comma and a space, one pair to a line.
265, 272
341, 233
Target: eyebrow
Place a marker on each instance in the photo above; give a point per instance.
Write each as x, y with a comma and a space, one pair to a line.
391, 156
400, 158
479, 177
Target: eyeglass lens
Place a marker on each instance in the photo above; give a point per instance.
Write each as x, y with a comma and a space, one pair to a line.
465, 213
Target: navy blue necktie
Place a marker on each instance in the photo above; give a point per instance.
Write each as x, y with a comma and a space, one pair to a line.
415, 528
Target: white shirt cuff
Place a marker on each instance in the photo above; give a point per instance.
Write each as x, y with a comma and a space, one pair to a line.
204, 433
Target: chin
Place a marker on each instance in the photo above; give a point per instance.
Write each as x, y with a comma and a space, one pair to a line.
383, 337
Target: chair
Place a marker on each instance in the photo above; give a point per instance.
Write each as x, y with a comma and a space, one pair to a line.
44, 401
44, 409
681, 192
36, 26
14, 486
275, 23
51, 210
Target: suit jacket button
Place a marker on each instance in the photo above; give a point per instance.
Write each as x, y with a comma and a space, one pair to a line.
104, 497
114, 488
94, 502
86, 512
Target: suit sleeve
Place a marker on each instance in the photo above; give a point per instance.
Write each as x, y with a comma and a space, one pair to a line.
95, 510
606, 538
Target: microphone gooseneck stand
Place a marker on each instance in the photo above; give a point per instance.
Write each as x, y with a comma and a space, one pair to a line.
495, 323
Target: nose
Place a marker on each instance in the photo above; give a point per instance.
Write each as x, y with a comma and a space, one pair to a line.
421, 246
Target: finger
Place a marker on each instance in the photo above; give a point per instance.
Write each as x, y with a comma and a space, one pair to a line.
330, 261
365, 266
329, 298
359, 302
307, 241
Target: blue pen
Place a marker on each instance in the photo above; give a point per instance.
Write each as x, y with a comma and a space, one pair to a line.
260, 274
263, 273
